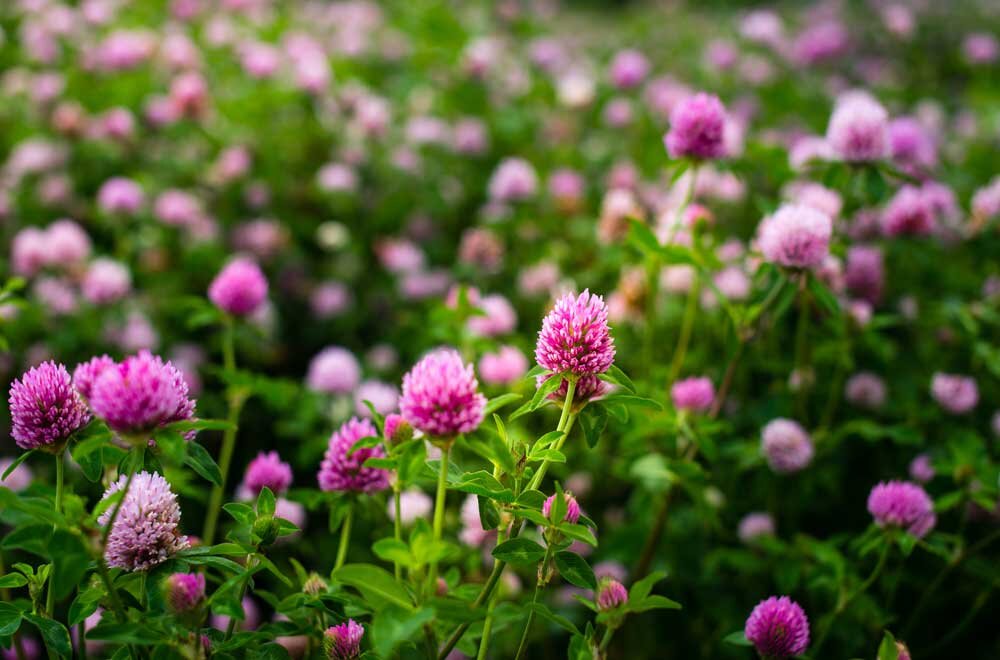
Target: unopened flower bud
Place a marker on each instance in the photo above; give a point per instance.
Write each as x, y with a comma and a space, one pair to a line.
396, 429
314, 585
266, 528
572, 508
611, 594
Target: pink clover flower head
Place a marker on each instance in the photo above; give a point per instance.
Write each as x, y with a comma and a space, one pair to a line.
45, 408
343, 642
795, 236
575, 337
146, 531
697, 127
268, 471
185, 591
786, 446
611, 594
240, 288
693, 394
778, 628
342, 470
572, 508
955, 393
904, 505
859, 129
441, 395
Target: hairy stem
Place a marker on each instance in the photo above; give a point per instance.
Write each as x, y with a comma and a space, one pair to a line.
687, 324
397, 528
50, 596
439, 502
345, 537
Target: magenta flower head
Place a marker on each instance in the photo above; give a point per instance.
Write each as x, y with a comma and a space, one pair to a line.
611, 594
240, 288
697, 126
786, 446
343, 642
120, 196
575, 337
909, 213
795, 236
140, 394
859, 129
955, 393
902, 504
342, 470
866, 390
572, 508
268, 471
628, 68
146, 531
184, 591
693, 394
778, 628
865, 272
86, 374
45, 408
513, 180
441, 395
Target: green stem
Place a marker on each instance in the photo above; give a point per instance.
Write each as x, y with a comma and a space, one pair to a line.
687, 324
236, 399
606, 639
844, 602
50, 596
345, 537
397, 525
81, 647
534, 599
243, 592
565, 424
484, 642
439, 502
801, 347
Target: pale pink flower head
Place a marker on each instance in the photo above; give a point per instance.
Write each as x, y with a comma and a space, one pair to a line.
329, 299
628, 68
343, 642
866, 390
955, 393
921, 469
119, 195
334, 370
29, 251
697, 126
106, 281
694, 394
184, 592
505, 366
981, 48
441, 395
822, 41
778, 628
911, 145
575, 337
755, 525
267, 471
904, 505
146, 531
786, 446
383, 397
343, 470
909, 213
572, 507
413, 504
611, 594
45, 408
859, 129
177, 207
189, 94
481, 248
795, 236
240, 288
140, 394
67, 243
513, 180
499, 317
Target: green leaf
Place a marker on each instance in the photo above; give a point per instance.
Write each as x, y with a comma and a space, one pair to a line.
737, 638
519, 552
483, 483
393, 625
199, 460
411, 461
547, 614
17, 461
126, 633
241, 513
888, 650
618, 377
265, 502
13, 581
643, 587
577, 533
653, 603
593, 420
499, 402
85, 604
374, 583
10, 619
631, 400
547, 387
186, 425
70, 562
643, 238
53, 633
393, 550
575, 570
489, 517
531, 499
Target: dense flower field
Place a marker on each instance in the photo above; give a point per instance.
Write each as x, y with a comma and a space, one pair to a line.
427, 329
